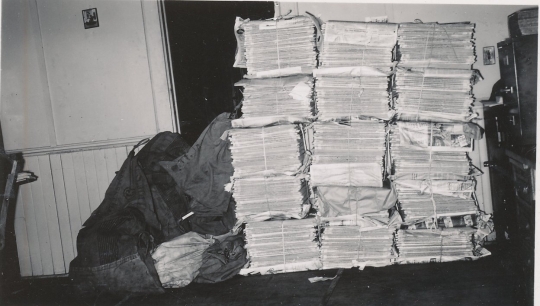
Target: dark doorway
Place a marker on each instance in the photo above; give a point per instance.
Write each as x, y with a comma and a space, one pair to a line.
203, 45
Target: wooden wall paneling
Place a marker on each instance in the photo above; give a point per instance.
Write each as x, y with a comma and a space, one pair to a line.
102, 174
82, 187
91, 179
41, 217
110, 161
31, 228
121, 156
51, 214
64, 219
23, 248
72, 198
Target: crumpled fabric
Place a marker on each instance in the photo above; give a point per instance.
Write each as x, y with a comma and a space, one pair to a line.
223, 260
177, 261
205, 169
334, 201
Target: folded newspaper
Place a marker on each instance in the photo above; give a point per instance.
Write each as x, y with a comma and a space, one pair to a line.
277, 197
278, 97
348, 155
266, 151
282, 246
352, 97
349, 44
437, 245
349, 246
449, 45
433, 94
274, 48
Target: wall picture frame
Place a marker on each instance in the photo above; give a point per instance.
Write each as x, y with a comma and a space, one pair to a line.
90, 18
489, 55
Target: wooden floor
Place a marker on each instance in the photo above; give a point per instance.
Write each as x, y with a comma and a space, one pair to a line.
495, 280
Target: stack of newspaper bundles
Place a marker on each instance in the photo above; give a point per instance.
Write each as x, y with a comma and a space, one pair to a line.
449, 45
346, 93
280, 98
349, 246
348, 155
352, 44
265, 162
437, 245
433, 94
431, 170
282, 246
279, 47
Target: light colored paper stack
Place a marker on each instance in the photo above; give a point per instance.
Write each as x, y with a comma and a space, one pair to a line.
417, 206
263, 198
282, 246
277, 97
421, 151
448, 45
350, 44
344, 97
280, 47
348, 155
433, 94
266, 151
350, 246
435, 245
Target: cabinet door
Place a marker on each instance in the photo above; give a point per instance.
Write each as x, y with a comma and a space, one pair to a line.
526, 58
507, 67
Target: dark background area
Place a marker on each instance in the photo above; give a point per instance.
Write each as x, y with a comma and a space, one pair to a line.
203, 46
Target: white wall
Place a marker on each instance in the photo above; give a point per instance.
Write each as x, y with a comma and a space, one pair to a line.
491, 23
70, 86
24, 96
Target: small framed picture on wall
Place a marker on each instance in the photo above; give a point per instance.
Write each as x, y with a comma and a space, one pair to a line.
489, 55
90, 18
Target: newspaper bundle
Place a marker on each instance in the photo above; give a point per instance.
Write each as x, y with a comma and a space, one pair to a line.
278, 97
449, 45
266, 151
348, 155
279, 47
349, 44
282, 246
349, 246
276, 197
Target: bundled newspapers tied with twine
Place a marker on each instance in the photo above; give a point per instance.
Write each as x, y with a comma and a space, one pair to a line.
438, 245
348, 155
277, 99
449, 45
433, 94
279, 47
269, 173
346, 93
351, 44
350, 246
282, 246
266, 151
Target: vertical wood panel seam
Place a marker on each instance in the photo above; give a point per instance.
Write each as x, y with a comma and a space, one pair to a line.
87, 191
19, 196
67, 204
76, 193
57, 215
37, 236
46, 218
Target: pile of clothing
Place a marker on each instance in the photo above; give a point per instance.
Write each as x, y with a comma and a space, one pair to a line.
165, 221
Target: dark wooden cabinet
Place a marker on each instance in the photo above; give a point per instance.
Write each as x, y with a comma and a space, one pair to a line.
518, 62
511, 140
